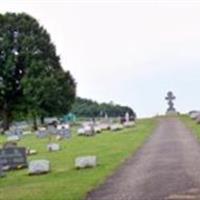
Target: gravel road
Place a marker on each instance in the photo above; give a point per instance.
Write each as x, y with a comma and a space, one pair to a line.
166, 168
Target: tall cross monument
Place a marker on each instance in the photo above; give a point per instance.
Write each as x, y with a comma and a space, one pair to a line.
170, 98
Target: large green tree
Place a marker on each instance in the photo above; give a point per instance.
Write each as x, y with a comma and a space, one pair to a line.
31, 77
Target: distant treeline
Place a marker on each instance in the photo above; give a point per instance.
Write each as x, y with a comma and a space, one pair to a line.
89, 108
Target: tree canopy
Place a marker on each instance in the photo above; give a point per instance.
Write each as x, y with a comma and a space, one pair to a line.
31, 77
88, 108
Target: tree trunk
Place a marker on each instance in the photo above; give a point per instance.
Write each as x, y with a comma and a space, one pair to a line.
6, 119
42, 120
35, 126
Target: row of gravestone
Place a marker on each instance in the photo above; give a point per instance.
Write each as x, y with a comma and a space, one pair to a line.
195, 115
61, 131
90, 129
16, 158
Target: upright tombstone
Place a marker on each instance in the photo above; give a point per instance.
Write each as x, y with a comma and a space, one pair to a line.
51, 129
15, 131
42, 132
53, 147
13, 138
64, 131
13, 157
170, 97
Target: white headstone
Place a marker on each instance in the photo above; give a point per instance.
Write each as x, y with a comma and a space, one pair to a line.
38, 167
116, 127
85, 162
129, 124
53, 147
97, 129
13, 138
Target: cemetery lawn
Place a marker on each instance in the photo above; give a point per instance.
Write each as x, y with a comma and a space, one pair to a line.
64, 182
192, 125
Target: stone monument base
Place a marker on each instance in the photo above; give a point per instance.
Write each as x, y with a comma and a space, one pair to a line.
171, 113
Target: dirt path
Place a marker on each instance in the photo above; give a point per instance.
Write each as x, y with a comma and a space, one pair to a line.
166, 168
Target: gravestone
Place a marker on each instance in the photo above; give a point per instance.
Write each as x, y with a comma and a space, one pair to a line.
42, 132
171, 110
51, 129
85, 162
87, 129
26, 133
13, 158
36, 167
64, 132
81, 131
53, 147
18, 132
30, 152
129, 124
13, 138
116, 127
14, 131
195, 115
97, 129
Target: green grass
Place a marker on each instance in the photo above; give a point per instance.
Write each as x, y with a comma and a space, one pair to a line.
64, 182
192, 125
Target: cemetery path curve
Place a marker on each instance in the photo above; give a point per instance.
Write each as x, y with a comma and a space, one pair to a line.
166, 168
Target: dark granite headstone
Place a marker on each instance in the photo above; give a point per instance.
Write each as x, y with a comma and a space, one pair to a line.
13, 158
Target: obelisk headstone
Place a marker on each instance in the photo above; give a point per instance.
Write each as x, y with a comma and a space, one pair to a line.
170, 97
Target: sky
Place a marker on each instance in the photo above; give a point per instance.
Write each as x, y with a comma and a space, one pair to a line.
128, 52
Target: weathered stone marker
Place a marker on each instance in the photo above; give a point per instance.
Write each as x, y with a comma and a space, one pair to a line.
170, 97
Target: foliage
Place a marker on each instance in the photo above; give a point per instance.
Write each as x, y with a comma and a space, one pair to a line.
88, 108
31, 77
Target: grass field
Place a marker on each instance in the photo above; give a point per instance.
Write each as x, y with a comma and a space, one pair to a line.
192, 125
64, 182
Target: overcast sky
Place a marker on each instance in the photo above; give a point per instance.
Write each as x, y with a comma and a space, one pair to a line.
130, 52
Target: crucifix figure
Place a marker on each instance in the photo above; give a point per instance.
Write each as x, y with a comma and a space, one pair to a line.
170, 97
